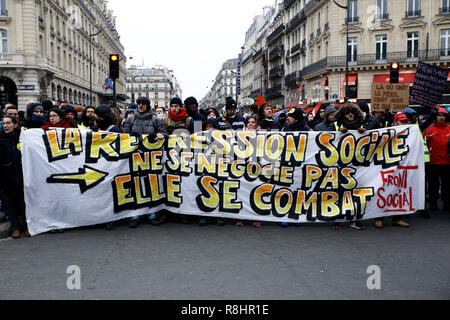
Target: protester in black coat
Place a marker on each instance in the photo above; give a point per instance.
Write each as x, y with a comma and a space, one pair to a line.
11, 176
296, 121
328, 124
35, 117
265, 118
370, 122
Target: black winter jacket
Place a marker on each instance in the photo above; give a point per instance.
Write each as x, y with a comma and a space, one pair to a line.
10, 161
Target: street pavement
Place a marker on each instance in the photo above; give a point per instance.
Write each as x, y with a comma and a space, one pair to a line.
188, 262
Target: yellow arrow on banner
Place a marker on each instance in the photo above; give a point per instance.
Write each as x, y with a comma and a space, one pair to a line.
86, 177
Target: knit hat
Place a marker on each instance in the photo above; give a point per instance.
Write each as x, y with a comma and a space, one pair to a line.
213, 110
48, 105
189, 101
212, 121
296, 113
35, 106
400, 117
79, 108
68, 108
177, 101
103, 111
230, 103
132, 106
409, 112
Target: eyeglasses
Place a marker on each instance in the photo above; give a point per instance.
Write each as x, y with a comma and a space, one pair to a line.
348, 112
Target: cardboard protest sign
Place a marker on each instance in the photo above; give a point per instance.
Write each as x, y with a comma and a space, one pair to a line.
429, 85
392, 96
88, 178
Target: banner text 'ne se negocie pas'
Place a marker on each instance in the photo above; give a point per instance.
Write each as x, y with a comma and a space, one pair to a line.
78, 178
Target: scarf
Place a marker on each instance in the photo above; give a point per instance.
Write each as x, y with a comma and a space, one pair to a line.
178, 116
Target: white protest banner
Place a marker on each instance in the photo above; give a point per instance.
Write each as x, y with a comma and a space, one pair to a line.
79, 178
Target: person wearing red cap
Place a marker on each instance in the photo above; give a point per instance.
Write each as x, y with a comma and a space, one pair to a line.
400, 119
438, 170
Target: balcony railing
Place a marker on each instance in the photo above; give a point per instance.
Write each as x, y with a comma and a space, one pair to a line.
274, 91
276, 72
278, 51
288, 3
295, 48
413, 13
374, 59
293, 23
257, 54
291, 79
275, 33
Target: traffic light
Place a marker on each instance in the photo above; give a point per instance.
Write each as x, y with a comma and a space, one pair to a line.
156, 104
395, 68
114, 66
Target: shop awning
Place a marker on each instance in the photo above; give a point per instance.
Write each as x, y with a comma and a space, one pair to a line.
403, 78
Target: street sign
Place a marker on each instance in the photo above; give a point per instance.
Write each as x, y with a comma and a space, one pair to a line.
27, 87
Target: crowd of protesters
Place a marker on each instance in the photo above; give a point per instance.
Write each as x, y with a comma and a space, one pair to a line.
140, 118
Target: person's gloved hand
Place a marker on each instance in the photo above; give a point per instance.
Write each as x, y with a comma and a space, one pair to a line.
343, 130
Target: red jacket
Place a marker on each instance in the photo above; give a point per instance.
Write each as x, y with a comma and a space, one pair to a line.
437, 136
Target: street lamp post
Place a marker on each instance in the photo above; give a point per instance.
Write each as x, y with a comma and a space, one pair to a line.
346, 66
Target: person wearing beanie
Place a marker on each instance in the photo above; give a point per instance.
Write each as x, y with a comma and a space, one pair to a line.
210, 124
438, 169
370, 122
191, 106
144, 121
80, 111
328, 124
177, 118
296, 121
71, 114
236, 121
104, 118
48, 105
281, 118
411, 114
35, 117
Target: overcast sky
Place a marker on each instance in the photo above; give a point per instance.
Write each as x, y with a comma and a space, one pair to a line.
191, 37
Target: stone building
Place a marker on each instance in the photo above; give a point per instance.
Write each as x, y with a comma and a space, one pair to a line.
58, 50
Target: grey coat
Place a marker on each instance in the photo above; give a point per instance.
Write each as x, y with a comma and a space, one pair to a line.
144, 123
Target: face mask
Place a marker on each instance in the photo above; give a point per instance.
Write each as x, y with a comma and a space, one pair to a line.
161, 116
37, 118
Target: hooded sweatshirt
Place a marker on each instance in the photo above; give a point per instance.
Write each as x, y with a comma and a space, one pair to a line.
326, 125
343, 122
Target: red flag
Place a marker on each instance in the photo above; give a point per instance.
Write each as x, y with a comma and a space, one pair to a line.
323, 81
301, 86
260, 101
317, 108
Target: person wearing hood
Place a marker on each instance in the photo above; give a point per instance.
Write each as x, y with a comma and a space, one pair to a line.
438, 169
191, 106
144, 121
281, 118
35, 117
231, 116
328, 124
11, 176
320, 115
265, 118
350, 117
370, 122
105, 119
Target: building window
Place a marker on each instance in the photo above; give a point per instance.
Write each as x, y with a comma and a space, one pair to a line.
445, 43
352, 49
353, 11
413, 8
381, 47
413, 45
445, 6
3, 10
4, 41
382, 10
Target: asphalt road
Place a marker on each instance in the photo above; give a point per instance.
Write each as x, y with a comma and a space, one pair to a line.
188, 262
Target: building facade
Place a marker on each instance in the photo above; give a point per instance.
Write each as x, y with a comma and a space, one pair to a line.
223, 86
307, 43
158, 84
58, 50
